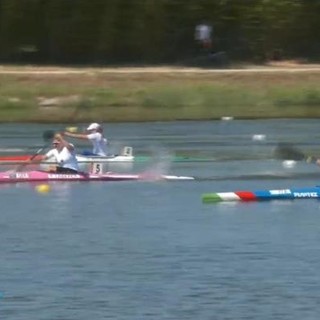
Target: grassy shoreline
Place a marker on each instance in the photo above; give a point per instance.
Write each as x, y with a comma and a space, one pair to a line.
83, 95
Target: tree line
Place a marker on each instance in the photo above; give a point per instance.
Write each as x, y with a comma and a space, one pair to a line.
155, 31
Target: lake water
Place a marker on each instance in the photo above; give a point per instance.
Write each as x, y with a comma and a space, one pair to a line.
152, 250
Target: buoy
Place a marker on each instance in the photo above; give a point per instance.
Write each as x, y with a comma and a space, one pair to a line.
226, 118
259, 137
43, 188
288, 164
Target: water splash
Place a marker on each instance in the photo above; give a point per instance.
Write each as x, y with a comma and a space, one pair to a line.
159, 164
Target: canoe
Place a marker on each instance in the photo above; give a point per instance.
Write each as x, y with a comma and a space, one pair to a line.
263, 195
42, 176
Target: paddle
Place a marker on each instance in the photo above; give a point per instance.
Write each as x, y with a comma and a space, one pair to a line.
82, 106
286, 151
47, 136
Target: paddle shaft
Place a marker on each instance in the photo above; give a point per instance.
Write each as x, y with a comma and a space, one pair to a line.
47, 136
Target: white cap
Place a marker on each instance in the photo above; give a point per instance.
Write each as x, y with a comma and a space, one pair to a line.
93, 126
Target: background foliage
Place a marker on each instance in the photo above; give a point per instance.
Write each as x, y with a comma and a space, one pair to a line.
155, 31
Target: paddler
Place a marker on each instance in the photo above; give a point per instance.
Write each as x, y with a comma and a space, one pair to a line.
64, 154
94, 133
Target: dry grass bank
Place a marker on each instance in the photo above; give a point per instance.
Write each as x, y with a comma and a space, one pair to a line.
50, 94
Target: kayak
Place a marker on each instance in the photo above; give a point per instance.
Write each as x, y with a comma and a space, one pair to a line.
125, 156
177, 158
42, 176
14, 159
263, 195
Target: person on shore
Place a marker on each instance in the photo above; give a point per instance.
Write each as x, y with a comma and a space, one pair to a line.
203, 37
63, 153
95, 135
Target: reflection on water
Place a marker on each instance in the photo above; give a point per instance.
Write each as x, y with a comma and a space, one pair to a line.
61, 199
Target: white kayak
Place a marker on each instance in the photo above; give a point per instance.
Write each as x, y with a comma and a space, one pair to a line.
126, 155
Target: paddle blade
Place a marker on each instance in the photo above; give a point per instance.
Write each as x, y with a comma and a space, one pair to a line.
48, 135
72, 129
285, 151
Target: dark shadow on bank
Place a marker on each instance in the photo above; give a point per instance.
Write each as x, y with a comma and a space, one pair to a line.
212, 60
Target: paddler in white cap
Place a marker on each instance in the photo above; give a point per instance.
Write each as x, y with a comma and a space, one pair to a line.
95, 135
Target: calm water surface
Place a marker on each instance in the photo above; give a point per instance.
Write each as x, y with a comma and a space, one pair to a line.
149, 250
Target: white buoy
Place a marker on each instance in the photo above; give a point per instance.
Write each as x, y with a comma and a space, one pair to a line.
259, 137
226, 118
289, 164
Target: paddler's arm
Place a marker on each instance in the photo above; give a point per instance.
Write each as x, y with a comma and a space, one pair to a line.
42, 157
38, 159
64, 142
76, 135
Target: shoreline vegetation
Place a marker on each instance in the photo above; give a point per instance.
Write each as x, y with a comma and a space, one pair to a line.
73, 95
